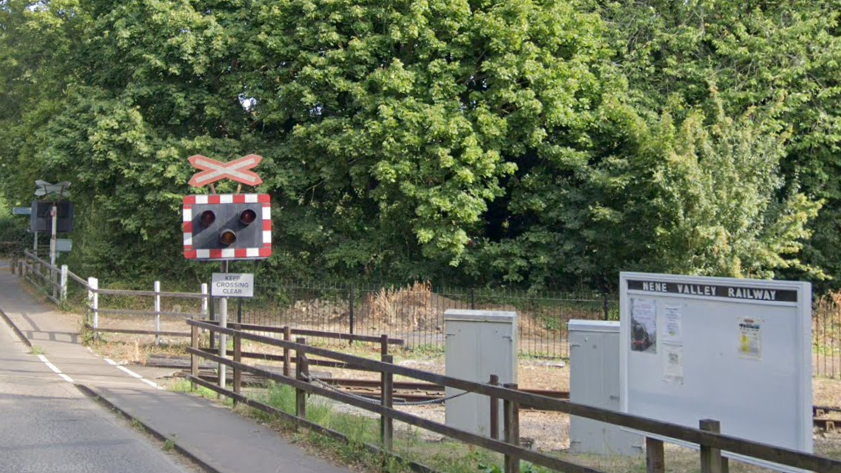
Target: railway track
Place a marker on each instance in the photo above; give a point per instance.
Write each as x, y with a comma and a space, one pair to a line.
403, 390
413, 391
822, 420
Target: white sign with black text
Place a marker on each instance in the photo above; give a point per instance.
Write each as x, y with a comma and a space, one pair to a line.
232, 285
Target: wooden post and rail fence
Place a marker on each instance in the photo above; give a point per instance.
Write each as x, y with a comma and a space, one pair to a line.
41, 273
712, 443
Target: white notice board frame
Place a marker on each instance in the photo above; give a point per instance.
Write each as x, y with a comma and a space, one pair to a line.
734, 350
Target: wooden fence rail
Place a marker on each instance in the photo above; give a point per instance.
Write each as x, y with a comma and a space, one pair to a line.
41, 273
711, 442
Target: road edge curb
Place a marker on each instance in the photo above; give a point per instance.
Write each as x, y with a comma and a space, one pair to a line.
15, 329
96, 397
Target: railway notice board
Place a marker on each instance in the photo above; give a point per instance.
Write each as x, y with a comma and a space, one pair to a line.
733, 350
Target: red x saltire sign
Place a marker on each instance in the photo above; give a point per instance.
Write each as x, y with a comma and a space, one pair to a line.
237, 170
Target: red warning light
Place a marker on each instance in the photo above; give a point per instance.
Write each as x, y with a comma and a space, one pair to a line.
207, 218
247, 216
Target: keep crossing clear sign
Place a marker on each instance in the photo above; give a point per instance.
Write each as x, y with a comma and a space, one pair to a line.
232, 285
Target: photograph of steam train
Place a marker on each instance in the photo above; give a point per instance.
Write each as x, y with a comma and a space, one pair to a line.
643, 328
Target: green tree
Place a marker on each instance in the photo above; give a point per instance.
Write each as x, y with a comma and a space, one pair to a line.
701, 196
400, 119
778, 57
416, 139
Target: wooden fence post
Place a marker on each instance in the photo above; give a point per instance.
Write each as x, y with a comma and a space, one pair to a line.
300, 394
655, 460
383, 344
494, 381
157, 289
237, 359
287, 336
350, 311
93, 304
711, 459
386, 422
512, 430
213, 318
63, 282
194, 359
54, 280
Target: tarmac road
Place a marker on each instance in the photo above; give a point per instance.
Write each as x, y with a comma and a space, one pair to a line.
47, 425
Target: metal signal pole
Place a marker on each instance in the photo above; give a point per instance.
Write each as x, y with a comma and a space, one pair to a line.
53, 247
223, 339
54, 215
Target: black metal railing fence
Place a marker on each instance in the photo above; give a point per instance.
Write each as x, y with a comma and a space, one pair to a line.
826, 335
415, 312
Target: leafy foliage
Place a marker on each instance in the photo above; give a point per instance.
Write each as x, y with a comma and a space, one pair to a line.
780, 58
536, 142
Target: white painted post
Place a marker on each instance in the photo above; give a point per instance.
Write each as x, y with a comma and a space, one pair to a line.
53, 237
93, 303
157, 313
63, 282
204, 302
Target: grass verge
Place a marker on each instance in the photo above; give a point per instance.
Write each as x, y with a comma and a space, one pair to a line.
360, 431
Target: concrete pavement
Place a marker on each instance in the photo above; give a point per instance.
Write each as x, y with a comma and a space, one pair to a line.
48, 425
211, 435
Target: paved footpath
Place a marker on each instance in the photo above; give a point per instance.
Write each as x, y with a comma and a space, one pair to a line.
212, 435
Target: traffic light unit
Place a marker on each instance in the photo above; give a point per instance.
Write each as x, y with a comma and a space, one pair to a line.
40, 220
227, 227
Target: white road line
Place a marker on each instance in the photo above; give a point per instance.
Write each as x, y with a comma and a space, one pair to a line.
150, 383
49, 365
130, 372
107, 360
55, 369
141, 378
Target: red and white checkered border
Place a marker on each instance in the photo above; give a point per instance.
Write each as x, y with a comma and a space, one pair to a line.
227, 253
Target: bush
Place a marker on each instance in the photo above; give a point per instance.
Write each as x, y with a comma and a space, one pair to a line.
13, 234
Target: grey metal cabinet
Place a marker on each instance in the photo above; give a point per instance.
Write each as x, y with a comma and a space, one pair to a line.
479, 343
594, 381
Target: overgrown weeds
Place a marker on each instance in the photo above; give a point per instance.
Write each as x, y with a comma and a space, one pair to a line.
362, 430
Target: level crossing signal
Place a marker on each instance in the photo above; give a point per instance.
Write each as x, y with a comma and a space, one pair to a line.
227, 227
41, 220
